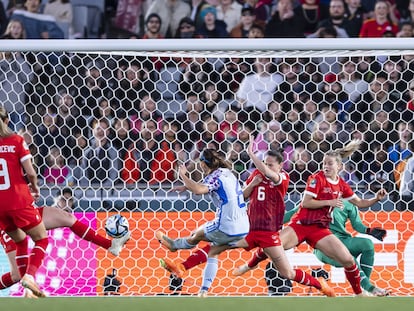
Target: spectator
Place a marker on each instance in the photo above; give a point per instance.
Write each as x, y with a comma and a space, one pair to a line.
231, 74
150, 159
37, 25
351, 80
381, 130
92, 88
15, 73
262, 10
336, 19
256, 90
153, 24
256, 32
212, 27
231, 123
382, 21
400, 150
241, 30
229, 12
284, 22
147, 110
186, 29
197, 73
378, 171
123, 136
190, 119
309, 15
61, 10
14, 30
100, 163
128, 16
302, 167
170, 13
56, 171
197, 7
406, 30
355, 15
377, 98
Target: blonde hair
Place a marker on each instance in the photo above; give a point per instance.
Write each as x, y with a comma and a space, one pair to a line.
346, 151
4, 119
10, 25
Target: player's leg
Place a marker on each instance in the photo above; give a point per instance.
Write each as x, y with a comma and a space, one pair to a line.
364, 249
281, 263
210, 270
39, 237
57, 218
181, 243
289, 240
178, 269
12, 277
331, 246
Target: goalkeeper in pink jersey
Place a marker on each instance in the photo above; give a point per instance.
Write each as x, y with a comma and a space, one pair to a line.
266, 189
57, 216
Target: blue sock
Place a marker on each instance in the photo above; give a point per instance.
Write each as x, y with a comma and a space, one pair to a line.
210, 272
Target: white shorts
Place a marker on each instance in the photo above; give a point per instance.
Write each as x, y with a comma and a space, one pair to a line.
217, 237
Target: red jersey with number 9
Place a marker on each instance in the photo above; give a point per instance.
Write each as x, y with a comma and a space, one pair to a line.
14, 191
322, 188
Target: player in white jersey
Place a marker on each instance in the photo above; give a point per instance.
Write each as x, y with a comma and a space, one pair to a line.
231, 222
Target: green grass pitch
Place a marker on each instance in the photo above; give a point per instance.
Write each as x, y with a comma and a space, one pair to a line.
209, 304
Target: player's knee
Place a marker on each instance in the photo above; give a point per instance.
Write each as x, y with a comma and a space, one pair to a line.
368, 245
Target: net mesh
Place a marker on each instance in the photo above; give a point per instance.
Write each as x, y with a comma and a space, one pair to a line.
114, 127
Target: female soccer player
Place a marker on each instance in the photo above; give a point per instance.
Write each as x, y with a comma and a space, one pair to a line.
266, 188
324, 192
18, 217
231, 222
57, 217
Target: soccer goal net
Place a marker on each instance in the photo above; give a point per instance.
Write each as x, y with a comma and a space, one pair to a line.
112, 120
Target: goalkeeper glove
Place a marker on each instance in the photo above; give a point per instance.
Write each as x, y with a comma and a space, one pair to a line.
377, 233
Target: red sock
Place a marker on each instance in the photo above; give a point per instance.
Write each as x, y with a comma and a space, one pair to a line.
197, 258
258, 257
353, 276
88, 234
306, 279
36, 256
22, 257
6, 281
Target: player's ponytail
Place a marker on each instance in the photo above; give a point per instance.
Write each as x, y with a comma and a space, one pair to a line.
346, 151
213, 159
4, 120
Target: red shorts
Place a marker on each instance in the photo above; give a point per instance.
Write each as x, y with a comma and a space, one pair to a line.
310, 233
7, 243
262, 239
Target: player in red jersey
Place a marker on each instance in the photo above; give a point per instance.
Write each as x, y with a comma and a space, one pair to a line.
18, 216
266, 189
324, 191
57, 217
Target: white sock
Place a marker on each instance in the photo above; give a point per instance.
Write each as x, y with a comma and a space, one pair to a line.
210, 272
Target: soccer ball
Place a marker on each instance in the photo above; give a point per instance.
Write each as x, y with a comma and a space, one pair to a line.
116, 226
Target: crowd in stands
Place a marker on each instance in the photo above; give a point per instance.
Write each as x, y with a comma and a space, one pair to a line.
156, 19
